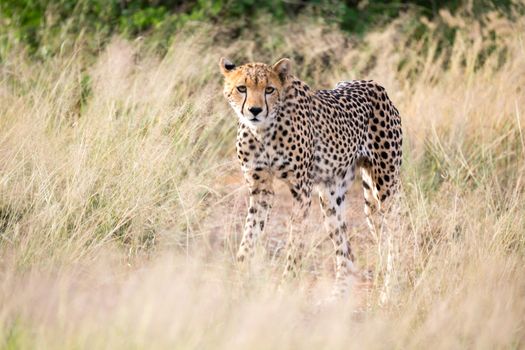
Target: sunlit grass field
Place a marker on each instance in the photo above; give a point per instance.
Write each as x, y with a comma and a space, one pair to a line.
122, 203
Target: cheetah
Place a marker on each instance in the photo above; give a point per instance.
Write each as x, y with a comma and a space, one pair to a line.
308, 138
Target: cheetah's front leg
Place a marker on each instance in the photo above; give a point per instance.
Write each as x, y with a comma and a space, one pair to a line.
261, 200
302, 199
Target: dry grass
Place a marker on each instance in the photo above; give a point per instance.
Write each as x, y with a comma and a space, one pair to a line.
121, 203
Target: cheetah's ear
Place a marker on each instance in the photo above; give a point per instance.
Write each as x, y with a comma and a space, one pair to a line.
226, 65
283, 68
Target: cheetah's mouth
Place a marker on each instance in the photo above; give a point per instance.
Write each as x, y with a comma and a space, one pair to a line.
254, 120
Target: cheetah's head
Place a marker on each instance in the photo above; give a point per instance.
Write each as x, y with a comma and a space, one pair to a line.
255, 90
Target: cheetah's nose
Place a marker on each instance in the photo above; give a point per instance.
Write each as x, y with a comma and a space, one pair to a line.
255, 110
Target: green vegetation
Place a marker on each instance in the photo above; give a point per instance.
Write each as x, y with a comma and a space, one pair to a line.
45, 24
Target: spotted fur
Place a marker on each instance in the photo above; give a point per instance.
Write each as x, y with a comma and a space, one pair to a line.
303, 137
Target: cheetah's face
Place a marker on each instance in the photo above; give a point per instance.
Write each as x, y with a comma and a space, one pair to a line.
255, 90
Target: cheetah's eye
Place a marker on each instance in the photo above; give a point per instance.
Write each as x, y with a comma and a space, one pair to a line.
269, 90
241, 88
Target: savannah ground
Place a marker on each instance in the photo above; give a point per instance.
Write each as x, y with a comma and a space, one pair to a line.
122, 202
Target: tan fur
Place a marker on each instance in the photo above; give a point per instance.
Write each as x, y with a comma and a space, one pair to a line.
306, 138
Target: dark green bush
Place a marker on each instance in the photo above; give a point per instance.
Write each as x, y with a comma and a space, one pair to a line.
33, 21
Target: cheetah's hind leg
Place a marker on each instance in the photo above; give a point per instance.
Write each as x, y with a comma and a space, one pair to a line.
382, 216
333, 203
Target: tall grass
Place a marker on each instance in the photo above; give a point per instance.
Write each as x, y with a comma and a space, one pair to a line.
121, 203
